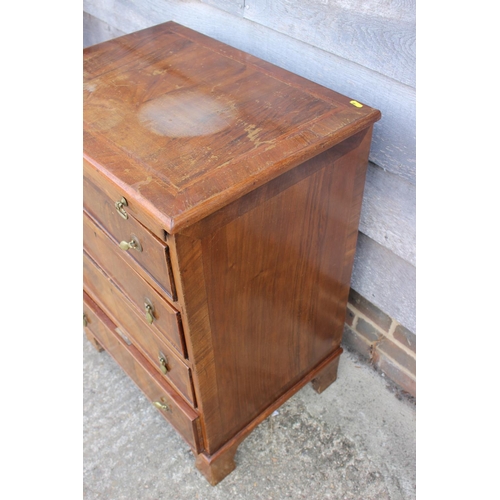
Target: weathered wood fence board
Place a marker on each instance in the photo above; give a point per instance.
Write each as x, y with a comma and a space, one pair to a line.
386, 280
232, 6
378, 34
97, 31
388, 215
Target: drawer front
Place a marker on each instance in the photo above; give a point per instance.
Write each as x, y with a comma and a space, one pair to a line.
154, 256
166, 319
117, 307
175, 410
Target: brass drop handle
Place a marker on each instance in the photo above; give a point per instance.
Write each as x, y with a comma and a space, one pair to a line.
133, 243
85, 320
163, 362
149, 312
119, 207
162, 406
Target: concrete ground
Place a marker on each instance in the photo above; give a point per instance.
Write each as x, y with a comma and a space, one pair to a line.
356, 440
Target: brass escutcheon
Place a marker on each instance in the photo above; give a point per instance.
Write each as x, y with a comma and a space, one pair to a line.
119, 207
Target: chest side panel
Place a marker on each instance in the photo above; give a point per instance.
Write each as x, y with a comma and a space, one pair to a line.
275, 283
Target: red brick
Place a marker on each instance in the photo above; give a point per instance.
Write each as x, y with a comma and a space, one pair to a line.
370, 311
352, 341
367, 330
397, 354
349, 316
394, 372
406, 337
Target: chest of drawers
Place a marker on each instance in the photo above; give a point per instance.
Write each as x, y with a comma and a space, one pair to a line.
222, 197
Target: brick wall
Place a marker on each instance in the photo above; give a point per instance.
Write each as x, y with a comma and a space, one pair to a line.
382, 341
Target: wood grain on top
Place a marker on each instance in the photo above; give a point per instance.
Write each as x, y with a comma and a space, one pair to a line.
185, 124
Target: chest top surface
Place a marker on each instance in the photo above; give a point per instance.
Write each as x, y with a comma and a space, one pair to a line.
185, 124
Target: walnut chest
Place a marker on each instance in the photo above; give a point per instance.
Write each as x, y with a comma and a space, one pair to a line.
222, 197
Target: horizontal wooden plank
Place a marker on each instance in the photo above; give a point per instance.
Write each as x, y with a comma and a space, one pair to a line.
386, 280
389, 212
97, 31
378, 34
393, 146
232, 6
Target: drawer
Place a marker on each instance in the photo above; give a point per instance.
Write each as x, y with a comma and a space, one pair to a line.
166, 319
116, 306
154, 256
173, 408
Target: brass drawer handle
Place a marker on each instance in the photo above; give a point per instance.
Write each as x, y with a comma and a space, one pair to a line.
148, 306
119, 207
163, 362
85, 320
162, 406
133, 243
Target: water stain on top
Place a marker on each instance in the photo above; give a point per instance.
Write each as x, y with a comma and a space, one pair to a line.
187, 113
